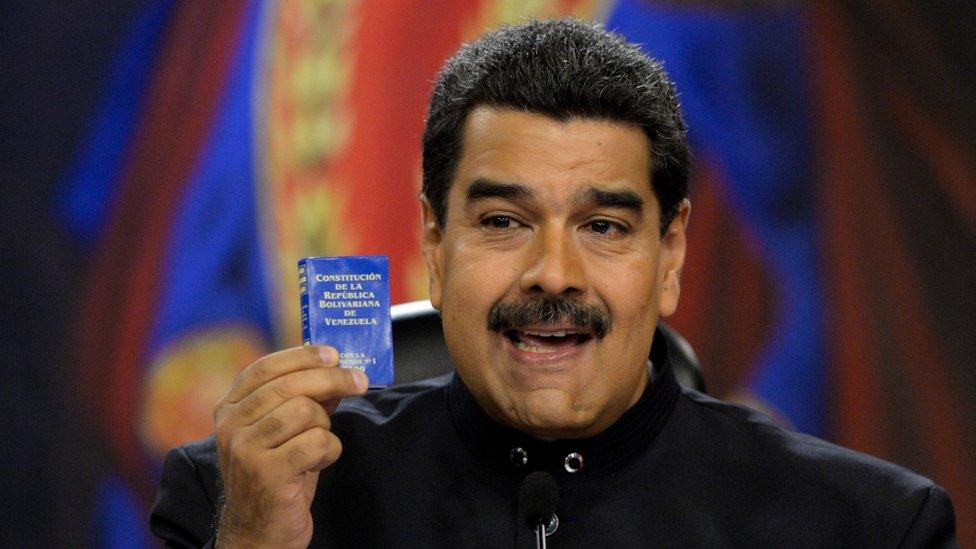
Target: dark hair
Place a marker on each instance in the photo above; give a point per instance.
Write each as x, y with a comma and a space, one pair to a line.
565, 69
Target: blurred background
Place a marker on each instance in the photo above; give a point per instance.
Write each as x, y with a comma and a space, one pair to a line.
166, 163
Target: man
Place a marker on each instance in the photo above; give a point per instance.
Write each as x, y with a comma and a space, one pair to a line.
554, 215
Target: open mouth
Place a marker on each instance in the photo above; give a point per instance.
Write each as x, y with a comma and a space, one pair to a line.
545, 341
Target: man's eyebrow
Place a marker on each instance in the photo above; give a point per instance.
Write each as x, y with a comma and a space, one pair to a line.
486, 188
624, 199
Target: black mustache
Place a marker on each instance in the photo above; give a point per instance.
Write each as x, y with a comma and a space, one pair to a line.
549, 310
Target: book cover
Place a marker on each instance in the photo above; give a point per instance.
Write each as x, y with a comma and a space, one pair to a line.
346, 304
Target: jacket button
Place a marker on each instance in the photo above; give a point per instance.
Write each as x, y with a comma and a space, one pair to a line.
573, 463
518, 456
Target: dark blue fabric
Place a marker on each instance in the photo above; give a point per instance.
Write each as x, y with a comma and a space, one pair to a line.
215, 270
93, 176
740, 74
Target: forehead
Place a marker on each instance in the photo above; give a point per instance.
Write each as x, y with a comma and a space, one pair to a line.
557, 157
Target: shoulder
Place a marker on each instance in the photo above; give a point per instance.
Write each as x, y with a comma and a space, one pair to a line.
395, 402
822, 479
196, 463
753, 432
189, 494
391, 418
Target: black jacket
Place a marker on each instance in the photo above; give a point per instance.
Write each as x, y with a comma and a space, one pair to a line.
423, 466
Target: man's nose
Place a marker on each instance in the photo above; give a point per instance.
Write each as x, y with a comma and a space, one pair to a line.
555, 265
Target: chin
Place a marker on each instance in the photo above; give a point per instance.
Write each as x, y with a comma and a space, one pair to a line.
558, 429
550, 416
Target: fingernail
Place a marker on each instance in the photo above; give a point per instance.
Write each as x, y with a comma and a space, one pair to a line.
362, 382
328, 354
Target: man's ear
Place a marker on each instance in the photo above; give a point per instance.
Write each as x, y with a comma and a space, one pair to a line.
433, 255
673, 248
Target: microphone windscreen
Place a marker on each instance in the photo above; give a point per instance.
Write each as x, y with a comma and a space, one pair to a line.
538, 497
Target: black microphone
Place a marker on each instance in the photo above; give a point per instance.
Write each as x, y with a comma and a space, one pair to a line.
538, 497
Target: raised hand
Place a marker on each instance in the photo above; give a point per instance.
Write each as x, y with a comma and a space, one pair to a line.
273, 437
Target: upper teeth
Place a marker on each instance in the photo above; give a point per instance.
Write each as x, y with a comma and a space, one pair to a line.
560, 333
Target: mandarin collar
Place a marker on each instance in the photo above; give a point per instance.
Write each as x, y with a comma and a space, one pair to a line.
506, 448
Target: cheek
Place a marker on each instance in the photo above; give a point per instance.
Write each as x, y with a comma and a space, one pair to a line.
630, 290
462, 306
632, 298
636, 309
474, 274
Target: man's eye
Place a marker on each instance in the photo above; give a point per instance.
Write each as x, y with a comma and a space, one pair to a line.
499, 222
603, 226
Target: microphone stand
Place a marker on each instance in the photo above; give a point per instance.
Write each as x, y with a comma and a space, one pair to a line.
540, 536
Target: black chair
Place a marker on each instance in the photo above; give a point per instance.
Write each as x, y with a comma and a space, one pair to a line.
419, 351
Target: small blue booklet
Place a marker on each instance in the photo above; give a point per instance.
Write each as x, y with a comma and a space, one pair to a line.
346, 304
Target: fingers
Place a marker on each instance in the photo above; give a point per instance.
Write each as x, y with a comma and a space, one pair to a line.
277, 364
312, 450
295, 416
275, 450
273, 436
319, 384
333, 403
268, 492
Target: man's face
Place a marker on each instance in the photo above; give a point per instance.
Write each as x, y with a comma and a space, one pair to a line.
541, 210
